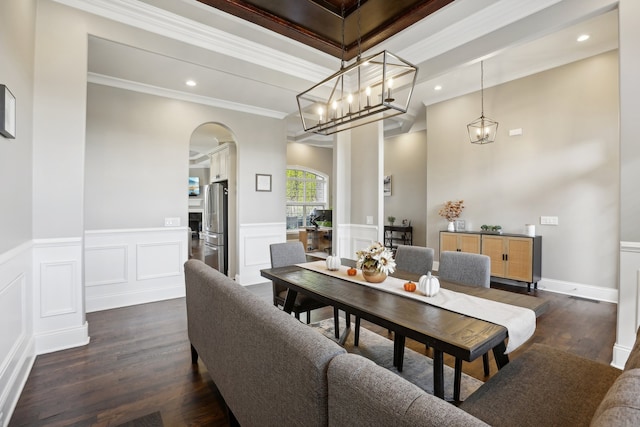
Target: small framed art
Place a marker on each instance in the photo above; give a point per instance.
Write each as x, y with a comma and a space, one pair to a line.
7, 113
263, 182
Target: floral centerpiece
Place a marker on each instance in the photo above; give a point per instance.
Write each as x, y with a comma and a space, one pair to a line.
451, 210
376, 262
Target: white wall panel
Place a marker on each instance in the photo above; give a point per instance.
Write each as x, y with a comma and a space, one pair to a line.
254, 249
58, 293
156, 260
134, 266
106, 265
628, 303
59, 320
354, 237
17, 348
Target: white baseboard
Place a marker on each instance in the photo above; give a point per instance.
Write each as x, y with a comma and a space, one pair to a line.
620, 356
579, 290
107, 302
62, 339
19, 376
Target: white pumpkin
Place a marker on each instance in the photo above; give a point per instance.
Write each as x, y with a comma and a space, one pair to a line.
333, 262
429, 285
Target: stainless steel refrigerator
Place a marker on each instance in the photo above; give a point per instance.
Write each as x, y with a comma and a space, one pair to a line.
214, 226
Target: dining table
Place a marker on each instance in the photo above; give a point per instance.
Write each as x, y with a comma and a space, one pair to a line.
445, 331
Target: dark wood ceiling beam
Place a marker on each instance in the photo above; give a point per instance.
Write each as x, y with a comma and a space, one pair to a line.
316, 24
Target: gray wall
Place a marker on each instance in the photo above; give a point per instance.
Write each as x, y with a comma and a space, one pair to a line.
405, 159
365, 160
138, 157
17, 32
136, 160
565, 164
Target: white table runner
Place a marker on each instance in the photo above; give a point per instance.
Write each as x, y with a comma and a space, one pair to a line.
520, 322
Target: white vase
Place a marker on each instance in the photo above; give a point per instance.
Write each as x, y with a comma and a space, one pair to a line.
451, 226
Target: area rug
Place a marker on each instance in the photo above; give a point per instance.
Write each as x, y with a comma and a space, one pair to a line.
150, 420
417, 368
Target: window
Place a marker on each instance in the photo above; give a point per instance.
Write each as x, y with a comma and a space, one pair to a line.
306, 191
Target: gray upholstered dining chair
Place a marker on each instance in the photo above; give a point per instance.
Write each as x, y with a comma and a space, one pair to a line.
412, 259
289, 253
466, 269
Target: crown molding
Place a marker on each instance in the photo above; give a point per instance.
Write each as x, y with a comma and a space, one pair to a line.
479, 24
149, 18
103, 80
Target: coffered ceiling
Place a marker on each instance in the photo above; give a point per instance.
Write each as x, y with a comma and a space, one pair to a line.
323, 24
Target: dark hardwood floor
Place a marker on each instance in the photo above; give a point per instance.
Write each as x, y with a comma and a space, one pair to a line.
138, 362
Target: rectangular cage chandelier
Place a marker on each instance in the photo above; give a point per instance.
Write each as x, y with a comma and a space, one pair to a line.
370, 89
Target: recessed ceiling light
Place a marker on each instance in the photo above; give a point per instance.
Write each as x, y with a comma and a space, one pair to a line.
583, 37
437, 87
191, 83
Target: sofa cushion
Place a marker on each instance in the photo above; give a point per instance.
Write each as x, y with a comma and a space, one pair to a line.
270, 368
543, 387
364, 394
621, 404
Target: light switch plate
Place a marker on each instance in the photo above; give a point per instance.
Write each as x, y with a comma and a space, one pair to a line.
172, 222
548, 220
369, 220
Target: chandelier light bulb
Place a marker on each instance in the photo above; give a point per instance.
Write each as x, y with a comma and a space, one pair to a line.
389, 98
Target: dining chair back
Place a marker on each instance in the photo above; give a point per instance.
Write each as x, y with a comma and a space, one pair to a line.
465, 268
290, 253
414, 259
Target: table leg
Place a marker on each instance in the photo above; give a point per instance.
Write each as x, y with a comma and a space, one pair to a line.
457, 379
438, 373
501, 358
398, 351
289, 301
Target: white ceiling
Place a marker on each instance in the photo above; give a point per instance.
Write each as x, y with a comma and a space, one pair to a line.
241, 66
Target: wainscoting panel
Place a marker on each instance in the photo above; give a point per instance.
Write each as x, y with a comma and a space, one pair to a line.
629, 302
254, 249
59, 322
58, 288
106, 265
134, 266
17, 348
155, 260
354, 237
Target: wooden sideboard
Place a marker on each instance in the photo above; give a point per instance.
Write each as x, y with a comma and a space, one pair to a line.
513, 256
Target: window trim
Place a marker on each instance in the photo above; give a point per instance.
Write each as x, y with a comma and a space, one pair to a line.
324, 204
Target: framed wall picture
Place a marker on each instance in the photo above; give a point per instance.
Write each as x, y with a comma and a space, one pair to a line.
263, 182
7, 113
387, 185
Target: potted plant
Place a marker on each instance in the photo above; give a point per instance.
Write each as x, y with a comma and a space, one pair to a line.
391, 219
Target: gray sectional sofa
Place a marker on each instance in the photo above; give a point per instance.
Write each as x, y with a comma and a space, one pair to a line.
273, 370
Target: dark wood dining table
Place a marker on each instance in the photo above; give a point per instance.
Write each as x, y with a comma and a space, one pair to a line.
463, 337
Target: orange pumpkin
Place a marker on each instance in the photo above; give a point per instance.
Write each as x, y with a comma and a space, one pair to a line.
410, 287
352, 271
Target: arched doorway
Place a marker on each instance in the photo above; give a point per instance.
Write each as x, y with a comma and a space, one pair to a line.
212, 158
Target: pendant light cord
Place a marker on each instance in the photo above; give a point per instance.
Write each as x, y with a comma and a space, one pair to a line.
359, 35
343, 46
482, 88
